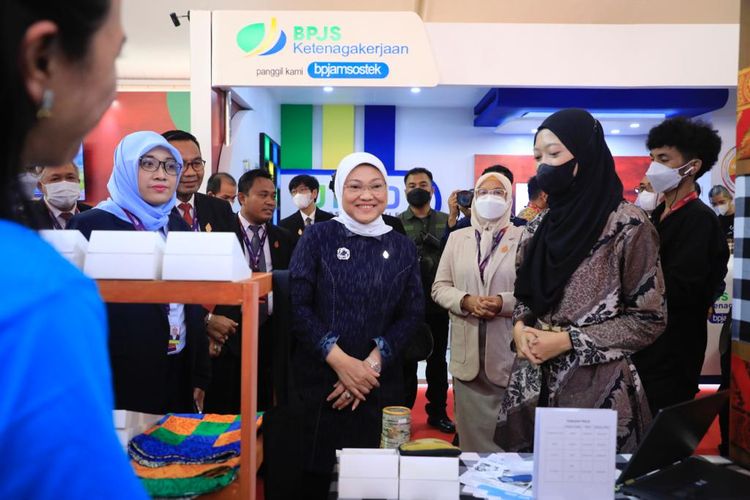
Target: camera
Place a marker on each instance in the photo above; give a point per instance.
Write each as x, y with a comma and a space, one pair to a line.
464, 198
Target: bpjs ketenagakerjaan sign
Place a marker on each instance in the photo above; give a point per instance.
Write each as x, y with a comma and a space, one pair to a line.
361, 49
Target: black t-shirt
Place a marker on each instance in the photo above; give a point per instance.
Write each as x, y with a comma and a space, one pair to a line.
727, 226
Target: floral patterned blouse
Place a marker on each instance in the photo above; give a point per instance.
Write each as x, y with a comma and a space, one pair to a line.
613, 305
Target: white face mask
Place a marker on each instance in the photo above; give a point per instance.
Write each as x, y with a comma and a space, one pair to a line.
721, 209
490, 207
647, 200
302, 200
62, 195
28, 182
664, 178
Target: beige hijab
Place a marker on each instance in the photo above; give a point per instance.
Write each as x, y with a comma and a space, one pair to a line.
488, 229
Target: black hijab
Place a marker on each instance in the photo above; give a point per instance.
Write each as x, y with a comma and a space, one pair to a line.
576, 217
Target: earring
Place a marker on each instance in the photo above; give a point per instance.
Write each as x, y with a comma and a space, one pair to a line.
45, 110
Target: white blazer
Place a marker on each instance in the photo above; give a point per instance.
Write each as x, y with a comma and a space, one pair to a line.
457, 276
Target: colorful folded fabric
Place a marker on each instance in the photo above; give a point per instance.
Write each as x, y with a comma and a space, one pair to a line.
187, 439
189, 486
181, 471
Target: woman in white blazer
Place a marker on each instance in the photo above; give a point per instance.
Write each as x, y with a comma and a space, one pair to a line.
474, 282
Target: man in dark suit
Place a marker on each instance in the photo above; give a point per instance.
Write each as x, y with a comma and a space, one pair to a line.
202, 213
267, 247
304, 191
61, 187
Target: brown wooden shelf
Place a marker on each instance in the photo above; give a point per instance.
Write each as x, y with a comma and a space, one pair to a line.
246, 294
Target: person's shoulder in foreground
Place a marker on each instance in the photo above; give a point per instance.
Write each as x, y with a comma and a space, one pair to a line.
57, 433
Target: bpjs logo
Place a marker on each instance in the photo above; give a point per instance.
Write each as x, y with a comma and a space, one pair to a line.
261, 39
264, 39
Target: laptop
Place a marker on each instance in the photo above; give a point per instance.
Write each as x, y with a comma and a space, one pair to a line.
662, 466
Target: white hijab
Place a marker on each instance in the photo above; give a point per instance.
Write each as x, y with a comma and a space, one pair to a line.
346, 165
488, 229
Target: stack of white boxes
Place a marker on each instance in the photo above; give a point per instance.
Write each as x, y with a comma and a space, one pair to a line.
428, 478
379, 473
69, 243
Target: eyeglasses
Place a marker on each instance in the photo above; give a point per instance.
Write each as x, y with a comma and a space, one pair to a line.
358, 189
198, 164
151, 164
493, 192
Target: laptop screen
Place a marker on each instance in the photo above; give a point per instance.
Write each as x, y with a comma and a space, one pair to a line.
674, 434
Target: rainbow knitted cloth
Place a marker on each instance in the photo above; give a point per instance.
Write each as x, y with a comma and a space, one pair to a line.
187, 439
184, 455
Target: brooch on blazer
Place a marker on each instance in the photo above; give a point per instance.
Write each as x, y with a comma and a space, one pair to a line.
209, 228
299, 232
276, 244
343, 253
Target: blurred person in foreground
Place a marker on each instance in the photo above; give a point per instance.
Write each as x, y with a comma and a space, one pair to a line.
58, 63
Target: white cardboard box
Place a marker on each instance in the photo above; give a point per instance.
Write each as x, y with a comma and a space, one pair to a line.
428, 489
204, 257
357, 488
126, 255
429, 468
129, 424
368, 463
69, 243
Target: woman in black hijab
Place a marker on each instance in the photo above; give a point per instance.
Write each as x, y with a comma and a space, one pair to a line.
589, 289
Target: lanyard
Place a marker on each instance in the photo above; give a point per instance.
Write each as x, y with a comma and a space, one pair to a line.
681, 203
138, 225
495, 242
195, 226
254, 256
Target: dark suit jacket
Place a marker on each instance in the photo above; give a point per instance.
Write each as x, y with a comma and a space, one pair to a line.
281, 243
295, 224
214, 213
224, 394
41, 217
145, 378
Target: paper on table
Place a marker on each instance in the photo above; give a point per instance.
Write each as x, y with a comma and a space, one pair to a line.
574, 453
484, 478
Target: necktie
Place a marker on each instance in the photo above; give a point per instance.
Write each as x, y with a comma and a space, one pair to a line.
255, 248
308, 221
185, 207
66, 216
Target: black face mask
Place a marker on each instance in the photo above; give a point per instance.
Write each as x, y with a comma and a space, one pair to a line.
556, 180
418, 197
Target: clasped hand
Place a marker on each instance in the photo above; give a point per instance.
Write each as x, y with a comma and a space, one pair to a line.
483, 307
356, 378
539, 346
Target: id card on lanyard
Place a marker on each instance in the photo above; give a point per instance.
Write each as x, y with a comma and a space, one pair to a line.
175, 315
482, 262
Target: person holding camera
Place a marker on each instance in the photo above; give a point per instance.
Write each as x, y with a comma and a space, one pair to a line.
425, 227
459, 202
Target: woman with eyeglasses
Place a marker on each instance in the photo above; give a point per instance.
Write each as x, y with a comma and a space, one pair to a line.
589, 290
474, 282
158, 352
357, 299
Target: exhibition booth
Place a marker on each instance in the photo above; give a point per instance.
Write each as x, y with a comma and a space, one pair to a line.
296, 91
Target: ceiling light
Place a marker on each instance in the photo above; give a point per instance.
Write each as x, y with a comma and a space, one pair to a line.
635, 125
416, 90
327, 89
614, 131
534, 130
